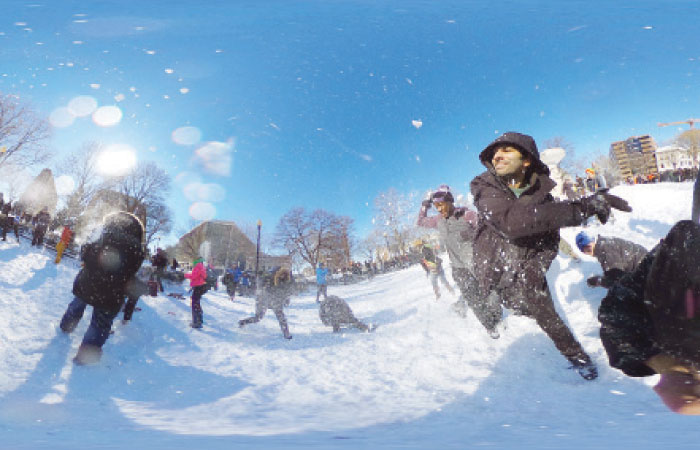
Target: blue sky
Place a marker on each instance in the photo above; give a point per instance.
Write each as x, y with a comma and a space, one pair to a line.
311, 103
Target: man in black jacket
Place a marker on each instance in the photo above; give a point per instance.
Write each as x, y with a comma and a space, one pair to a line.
518, 238
109, 268
617, 256
41, 224
650, 319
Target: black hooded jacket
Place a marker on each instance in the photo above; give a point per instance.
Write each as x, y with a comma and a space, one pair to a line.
517, 236
111, 263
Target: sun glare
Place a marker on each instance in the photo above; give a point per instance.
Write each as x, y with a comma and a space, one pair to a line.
116, 160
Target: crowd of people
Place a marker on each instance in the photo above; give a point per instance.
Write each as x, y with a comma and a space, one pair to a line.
499, 254
13, 217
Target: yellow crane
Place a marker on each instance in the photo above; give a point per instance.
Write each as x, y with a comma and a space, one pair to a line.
690, 122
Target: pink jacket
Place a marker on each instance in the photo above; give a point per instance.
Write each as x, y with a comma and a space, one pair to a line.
198, 276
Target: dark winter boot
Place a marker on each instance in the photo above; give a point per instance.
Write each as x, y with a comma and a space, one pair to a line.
68, 324
88, 354
586, 369
197, 319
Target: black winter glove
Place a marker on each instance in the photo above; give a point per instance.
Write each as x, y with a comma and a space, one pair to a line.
595, 205
614, 201
595, 280
427, 203
600, 204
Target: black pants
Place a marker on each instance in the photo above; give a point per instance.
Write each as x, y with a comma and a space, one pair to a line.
158, 274
197, 313
534, 302
129, 307
38, 236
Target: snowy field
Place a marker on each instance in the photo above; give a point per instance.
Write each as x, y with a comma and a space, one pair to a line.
425, 379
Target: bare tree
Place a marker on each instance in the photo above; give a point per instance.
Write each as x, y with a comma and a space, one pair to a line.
315, 236
81, 165
143, 194
23, 135
394, 219
368, 246
570, 164
14, 180
609, 169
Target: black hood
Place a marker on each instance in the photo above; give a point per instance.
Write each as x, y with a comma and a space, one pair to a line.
526, 144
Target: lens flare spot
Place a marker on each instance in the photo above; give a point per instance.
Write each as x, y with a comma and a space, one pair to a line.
61, 117
186, 135
116, 160
107, 116
82, 105
202, 211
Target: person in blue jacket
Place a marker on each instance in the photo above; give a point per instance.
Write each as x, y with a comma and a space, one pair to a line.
231, 280
321, 273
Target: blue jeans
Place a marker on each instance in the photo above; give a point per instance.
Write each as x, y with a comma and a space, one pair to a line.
100, 324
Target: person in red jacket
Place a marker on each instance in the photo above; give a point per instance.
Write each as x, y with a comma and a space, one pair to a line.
198, 282
66, 237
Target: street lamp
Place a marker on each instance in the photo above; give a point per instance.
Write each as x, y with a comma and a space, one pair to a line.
257, 255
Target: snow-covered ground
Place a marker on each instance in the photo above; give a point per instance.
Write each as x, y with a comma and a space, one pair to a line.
425, 379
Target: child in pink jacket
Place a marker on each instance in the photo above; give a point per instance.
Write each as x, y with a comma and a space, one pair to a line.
197, 278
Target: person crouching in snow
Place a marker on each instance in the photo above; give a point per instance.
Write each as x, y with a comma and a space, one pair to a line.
109, 266
617, 257
198, 283
335, 312
275, 295
650, 319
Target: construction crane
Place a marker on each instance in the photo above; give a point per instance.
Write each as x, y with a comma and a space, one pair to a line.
690, 122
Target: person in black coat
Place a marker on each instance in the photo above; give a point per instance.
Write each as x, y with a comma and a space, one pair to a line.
517, 239
159, 262
650, 319
42, 223
108, 274
617, 256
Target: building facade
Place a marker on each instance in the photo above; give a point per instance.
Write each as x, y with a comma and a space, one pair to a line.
635, 156
222, 244
672, 157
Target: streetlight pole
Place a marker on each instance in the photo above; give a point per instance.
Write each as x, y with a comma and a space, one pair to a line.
257, 256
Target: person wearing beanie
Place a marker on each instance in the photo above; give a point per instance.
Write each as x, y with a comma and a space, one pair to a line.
517, 238
616, 256
456, 227
108, 275
650, 319
198, 283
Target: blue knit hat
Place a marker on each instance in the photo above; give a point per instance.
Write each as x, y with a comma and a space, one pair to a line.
583, 239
